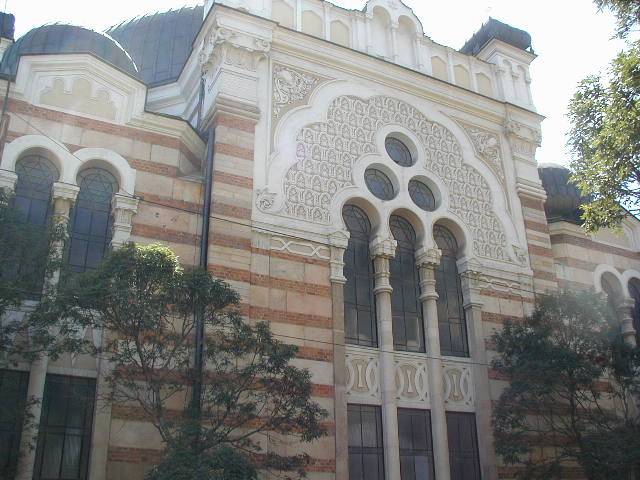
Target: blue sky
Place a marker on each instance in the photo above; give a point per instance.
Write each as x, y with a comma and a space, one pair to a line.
570, 38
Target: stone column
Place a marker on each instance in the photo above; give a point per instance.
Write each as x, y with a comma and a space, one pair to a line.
63, 197
394, 42
471, 286
338, 243
427, 259
625, 307
124, 207
381, 251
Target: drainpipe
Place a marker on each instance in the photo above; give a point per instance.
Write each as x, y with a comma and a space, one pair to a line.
204, 254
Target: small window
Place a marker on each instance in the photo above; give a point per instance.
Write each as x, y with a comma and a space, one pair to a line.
91, 219
379, 184
64, 435
416, 447
398, 152
463, 446
366, 455
422, 196
359, 302
406, 308
13, 396
451, 315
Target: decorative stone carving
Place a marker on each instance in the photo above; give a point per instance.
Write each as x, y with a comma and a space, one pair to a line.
265, 199
339, 242
363, 375
523, 139
383, 247
411, 380
80, 98
305, 249
327, 151
124, 207
290, 86
487, 147
232, 48
428, 256
458, 386
520, 255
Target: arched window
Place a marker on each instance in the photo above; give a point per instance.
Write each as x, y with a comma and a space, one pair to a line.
451, 316
406, 309
634, 291
36, 175
91, 219
359, 303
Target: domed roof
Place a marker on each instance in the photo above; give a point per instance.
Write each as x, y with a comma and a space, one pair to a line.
563, 197
60, 39
160, 43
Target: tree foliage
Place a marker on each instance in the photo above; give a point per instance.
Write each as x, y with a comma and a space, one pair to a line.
251, 392
605, 136
572, 381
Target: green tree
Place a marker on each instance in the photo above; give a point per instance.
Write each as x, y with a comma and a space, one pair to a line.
146, 301
605, 130
572, 381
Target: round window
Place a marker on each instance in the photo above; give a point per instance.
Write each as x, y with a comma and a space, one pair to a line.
422, 195
379, 184
398, 152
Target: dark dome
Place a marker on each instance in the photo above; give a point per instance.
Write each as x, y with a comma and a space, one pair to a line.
160, 44
60, 39
563, 198
496, 29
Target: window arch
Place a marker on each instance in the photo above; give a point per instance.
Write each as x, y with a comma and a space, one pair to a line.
406, 308
91, 220
359, 302
634, 292
451, 315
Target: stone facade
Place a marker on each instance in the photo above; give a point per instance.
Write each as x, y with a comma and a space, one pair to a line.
301, 96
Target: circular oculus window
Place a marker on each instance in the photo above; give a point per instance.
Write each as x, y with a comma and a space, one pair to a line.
422, 195
398, 152
379, 184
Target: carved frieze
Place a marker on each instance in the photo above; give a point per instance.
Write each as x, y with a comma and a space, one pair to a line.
523, 139
326, 153
411, 381
295, 247
487, 147
290, 86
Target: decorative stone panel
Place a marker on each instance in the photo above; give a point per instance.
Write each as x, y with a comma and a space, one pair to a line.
363, 376
459, 390
326, 153
412, 382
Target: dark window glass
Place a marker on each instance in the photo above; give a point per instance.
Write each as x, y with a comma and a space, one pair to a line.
406, 308
366, 456
422, 195
463, 446
398, 152
634, 291
359, 303
36, 176
416, 448
379, 184
451, 315
64, 436
13, 395
32, 199
91, 219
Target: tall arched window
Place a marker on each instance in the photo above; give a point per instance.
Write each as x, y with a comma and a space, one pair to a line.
634, 291
36, 175
406, 309
359, 302
32, 200
91, 219
451, 316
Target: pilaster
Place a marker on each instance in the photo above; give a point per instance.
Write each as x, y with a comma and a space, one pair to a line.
124, 207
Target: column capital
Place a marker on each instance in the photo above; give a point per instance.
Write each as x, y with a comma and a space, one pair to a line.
338, 242
428, 257
124, 207
8, 179
65, 191
383, 247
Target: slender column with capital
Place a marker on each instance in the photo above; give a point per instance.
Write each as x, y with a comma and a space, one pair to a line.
625, 307
63, 197
381, 251
394, 43
338, 243
471, 286
124, 207
427, 259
